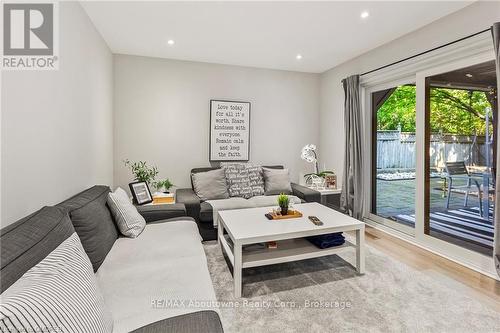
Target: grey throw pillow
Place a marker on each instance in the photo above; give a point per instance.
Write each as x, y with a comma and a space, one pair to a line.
210, 185
127, 218
59, 294
93, 222
277, 181
256, 179
238, 180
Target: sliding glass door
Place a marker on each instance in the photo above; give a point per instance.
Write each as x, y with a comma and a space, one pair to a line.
393, 156
460, 140
431, 144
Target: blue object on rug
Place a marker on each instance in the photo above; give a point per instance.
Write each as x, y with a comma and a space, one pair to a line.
328, 240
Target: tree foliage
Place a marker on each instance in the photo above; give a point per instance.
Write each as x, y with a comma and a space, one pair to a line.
398, 110
453, 111
457, 111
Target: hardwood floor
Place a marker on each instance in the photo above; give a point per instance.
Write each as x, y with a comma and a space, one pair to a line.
476, 285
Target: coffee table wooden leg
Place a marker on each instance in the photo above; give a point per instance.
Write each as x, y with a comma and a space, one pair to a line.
237, 270
360, 251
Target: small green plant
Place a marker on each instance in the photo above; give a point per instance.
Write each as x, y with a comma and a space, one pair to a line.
283, 200
163, 185
141, 171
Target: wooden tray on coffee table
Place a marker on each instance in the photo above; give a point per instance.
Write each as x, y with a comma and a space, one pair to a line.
291, 215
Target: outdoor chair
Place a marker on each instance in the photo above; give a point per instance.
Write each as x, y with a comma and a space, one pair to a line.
458, 170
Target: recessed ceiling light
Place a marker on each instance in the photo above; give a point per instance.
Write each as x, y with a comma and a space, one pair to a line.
365, 14
469, 75
298, 56
170, 42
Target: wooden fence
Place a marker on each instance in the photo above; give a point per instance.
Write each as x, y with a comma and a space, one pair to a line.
396, 150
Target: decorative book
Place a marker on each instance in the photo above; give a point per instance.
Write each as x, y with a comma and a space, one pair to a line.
163, 198
272, 245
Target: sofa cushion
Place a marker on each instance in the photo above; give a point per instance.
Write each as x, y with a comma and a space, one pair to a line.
210, 185
57, 294
256, 179
153, 213
24, 243
93, 223
227, 204
277, 181
127, 218
238, 181
271, 200
170, 257
203, 169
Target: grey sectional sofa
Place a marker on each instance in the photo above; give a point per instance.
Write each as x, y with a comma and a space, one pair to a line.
202, 212
140, 278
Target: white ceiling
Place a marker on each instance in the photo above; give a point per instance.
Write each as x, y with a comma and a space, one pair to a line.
260, 34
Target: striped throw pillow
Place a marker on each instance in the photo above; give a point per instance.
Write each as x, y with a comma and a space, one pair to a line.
127, 218
59, 294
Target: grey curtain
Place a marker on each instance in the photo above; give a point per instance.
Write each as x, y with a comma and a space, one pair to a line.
352, 179
495, 30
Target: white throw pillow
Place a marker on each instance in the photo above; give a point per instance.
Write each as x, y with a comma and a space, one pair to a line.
127, 218
59, 294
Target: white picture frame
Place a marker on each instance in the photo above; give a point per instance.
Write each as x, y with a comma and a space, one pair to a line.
229, 131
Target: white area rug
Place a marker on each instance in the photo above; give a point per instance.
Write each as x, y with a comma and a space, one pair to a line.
326, 295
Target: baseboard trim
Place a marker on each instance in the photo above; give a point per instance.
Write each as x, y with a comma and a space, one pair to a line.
413, 241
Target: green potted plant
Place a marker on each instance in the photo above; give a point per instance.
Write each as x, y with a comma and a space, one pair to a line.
283, 201
142, 172
163, 185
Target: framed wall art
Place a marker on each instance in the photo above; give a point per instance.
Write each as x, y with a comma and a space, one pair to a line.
229, 131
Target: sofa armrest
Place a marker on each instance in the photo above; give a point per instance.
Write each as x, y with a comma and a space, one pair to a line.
190, 200
305, 193
202, 321
174, 219
153, 213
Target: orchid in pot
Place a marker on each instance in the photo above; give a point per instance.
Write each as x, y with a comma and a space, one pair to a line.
308, 154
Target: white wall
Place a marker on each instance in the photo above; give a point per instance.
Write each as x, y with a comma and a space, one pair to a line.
56, 134
162, 114
469, 20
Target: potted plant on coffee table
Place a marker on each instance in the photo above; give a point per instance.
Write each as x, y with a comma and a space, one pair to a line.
283, 201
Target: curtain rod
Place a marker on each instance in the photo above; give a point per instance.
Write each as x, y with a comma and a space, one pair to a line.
422, 53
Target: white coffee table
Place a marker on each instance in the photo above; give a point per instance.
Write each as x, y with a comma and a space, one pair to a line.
250, 226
